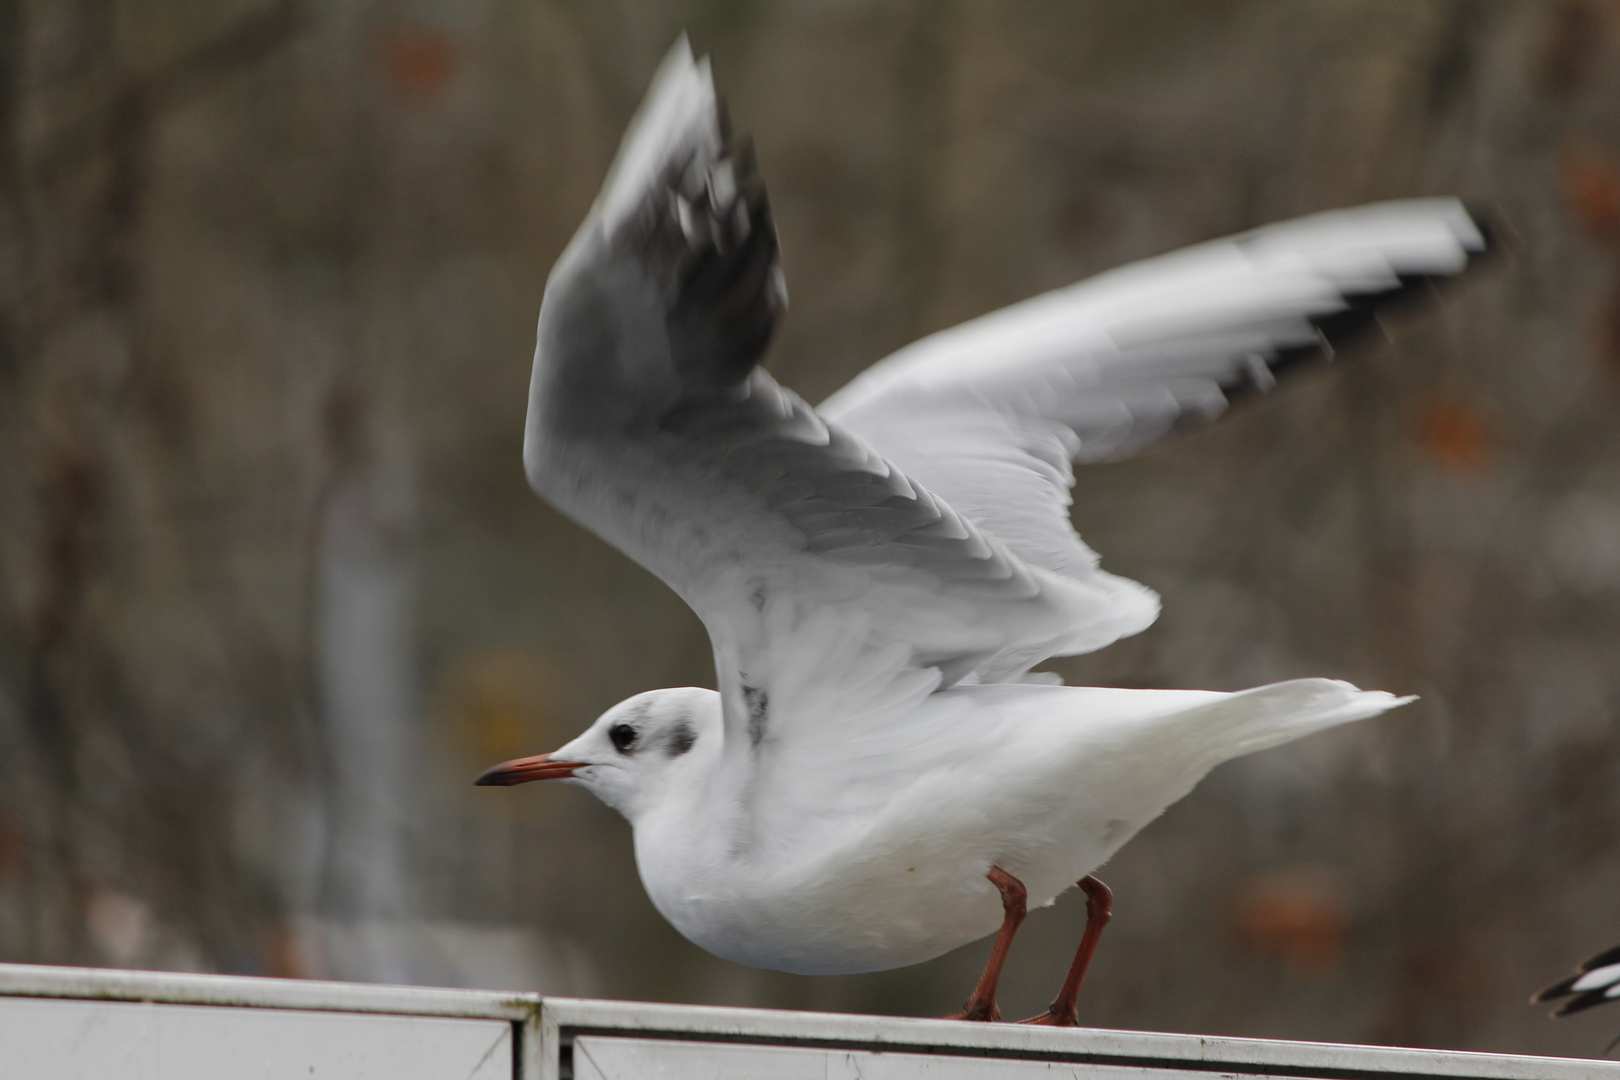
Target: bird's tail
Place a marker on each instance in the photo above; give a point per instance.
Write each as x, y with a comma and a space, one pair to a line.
1267, 716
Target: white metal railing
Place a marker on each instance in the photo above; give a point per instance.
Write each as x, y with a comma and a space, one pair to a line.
58, 1023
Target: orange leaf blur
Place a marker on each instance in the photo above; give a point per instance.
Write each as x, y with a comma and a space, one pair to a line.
1297, 915
418, 62
1592, 193
1455, 436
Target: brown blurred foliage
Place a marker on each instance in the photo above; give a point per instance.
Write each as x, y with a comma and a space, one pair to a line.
1298, 915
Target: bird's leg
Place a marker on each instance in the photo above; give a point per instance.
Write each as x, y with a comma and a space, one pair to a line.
1065, 1008
1014, 906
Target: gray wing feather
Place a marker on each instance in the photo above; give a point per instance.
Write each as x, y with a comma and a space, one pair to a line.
989, 414
650, 423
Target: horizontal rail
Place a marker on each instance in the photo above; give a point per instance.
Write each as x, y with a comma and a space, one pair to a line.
107, 984
562, 1019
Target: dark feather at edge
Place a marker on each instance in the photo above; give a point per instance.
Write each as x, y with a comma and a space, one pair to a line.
722, 287
1602, 959
1565, 987
1349, 325
1583, 1001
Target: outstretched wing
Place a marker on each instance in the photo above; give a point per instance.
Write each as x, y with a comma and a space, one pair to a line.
1597, 982
990, 414
811, 559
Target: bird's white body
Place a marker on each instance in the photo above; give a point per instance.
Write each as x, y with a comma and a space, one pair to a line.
1046, 782
879, 575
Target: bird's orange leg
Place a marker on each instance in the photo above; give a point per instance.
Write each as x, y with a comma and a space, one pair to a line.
1014, 906
1065, 1010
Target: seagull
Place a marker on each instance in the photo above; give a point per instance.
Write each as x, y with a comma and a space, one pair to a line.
1597, 981
879, 777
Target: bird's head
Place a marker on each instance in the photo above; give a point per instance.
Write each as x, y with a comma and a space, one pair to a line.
635, 754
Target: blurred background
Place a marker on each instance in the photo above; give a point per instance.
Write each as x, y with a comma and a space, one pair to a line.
273, 589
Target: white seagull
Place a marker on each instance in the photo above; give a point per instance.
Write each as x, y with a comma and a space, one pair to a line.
879, 779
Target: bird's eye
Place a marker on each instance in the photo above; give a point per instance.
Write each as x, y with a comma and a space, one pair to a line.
623, 736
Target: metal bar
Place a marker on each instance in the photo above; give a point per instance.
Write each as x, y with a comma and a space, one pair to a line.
580, 1016
30, 980
543, 1027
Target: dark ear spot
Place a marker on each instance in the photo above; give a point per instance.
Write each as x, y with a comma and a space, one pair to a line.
681, 739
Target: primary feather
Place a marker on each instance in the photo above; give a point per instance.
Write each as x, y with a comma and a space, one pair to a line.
990, 414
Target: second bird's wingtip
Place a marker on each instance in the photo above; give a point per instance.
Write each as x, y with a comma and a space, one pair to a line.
1496, 238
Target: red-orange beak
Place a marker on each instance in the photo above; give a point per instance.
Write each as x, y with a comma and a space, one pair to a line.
522, 770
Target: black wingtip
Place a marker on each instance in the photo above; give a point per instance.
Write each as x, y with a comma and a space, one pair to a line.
1365, 312
1584, 999
1498, 236
1602, 959
1591, 999
706, 234
1557, 990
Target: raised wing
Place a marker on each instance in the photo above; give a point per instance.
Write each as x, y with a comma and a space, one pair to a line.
810, 558
990, 414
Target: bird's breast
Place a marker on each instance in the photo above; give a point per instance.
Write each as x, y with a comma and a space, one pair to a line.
820, 916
